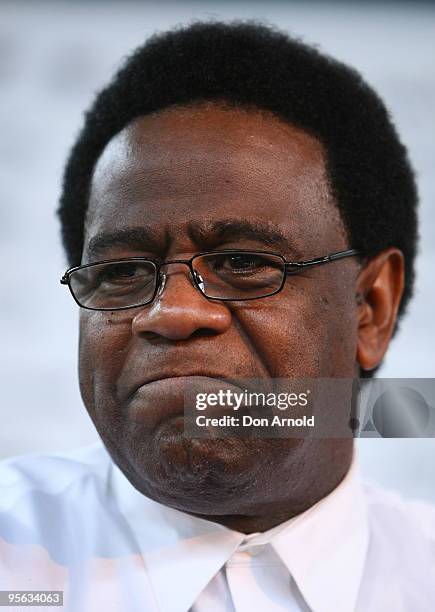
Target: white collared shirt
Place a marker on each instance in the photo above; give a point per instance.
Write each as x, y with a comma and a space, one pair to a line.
73, 522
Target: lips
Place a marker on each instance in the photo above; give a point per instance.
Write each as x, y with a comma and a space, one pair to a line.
157, 402
141, 369
161, 377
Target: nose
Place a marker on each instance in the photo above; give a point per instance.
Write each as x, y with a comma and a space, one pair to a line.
181, 310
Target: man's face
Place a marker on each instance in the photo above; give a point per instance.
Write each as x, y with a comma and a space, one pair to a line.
182, 175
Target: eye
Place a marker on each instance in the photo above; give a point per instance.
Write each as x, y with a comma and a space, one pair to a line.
121, 272
117, 283
242, 263
119, 276
240, 274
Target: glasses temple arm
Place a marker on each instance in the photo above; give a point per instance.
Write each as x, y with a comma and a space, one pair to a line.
322, 260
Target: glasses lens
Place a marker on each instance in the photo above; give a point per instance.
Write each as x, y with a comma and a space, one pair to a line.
114, 285
239, 275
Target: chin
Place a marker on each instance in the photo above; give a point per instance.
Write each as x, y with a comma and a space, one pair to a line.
199, 476
192, 475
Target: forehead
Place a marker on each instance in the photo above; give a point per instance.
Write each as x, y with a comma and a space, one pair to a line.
208, 163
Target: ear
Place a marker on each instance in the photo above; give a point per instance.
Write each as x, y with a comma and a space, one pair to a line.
379, 291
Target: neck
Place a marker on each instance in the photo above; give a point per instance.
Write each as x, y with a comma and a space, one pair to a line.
275, 513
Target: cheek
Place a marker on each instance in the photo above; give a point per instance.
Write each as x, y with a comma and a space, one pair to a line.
103, 341
305, 333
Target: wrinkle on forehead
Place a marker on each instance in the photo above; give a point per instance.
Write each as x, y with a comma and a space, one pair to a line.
228, 138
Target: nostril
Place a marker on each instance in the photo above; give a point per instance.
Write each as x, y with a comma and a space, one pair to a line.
203, 332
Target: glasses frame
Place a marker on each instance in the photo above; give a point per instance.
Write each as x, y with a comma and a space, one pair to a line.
290, 268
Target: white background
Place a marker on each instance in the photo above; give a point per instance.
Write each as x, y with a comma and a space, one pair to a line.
53, 58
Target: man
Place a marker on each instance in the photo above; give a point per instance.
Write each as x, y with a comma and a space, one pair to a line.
217, 155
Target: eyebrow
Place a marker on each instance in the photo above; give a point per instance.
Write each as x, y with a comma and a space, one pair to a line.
206, 235
133, 237
225, 229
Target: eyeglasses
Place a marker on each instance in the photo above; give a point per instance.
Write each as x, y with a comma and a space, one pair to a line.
230, 275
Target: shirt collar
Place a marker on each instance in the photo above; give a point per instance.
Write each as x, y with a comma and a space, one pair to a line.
323, 548
178, 549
